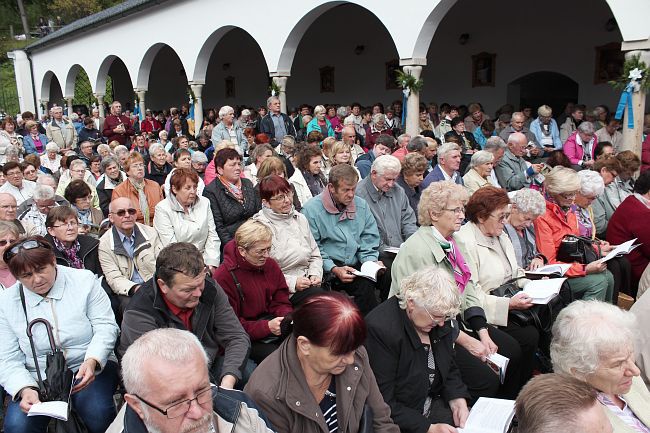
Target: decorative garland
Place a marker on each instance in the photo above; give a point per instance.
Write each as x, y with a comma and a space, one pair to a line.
636, 76
274, 89
408, 83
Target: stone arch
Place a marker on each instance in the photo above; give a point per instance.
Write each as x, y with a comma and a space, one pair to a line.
429, 28
70, 80
162, 74
543, 87
202, 60
46, 84
144, 71
122, 87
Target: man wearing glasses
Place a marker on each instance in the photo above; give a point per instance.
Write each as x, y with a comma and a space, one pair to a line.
168, 390
127, 252
181, 296
512, 171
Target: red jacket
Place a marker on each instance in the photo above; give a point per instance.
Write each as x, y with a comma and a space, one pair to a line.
111, 123
150, 125
264, 290
645, 154
550, 228
630, 220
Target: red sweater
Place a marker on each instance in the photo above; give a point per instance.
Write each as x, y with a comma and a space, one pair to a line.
630, 220
111, 123
265, 291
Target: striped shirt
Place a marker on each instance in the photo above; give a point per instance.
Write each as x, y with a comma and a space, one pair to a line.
626, 415
328, 407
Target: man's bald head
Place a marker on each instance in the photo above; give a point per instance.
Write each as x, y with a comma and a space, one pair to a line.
7, 207
517, 143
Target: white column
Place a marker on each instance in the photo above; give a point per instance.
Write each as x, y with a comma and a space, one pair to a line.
69, 100
197, 89
142, 93
413, 102
633, 137
42, 107
100, 104
24, 83
281, 82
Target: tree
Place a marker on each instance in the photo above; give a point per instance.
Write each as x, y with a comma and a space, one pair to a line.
71, 10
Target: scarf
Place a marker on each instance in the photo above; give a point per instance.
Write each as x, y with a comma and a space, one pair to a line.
85, 217
462, 273
142, 200
314, 182
236, 191
330, 206
71, 254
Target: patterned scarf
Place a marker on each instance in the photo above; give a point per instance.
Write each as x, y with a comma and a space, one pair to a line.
142, 199
330, 206
84, 216
234, 189
462, 273
71, 254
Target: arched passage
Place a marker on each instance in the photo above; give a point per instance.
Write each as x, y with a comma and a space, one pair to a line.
51, 90
163, 75
121, 86
79, 87
235, 71
543, 87
331, 65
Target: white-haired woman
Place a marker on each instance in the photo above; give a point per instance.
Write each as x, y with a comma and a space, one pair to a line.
526, 205
587, 281
580, 146
595, 342
229, 129
377, 127
410, 345
480, 168
591, 186
51, 158
320, 123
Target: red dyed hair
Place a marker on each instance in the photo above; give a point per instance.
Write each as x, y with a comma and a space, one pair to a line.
273, 185
330, 320
484, 202
262, 138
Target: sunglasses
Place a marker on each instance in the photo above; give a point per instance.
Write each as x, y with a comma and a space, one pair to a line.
29, 244
120, 213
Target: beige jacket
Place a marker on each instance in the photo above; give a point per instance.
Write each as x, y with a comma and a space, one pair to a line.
118, 266
57, 135
474, 181
638, 399
641, 309
488, 270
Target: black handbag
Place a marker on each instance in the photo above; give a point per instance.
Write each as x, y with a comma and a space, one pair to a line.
579, 249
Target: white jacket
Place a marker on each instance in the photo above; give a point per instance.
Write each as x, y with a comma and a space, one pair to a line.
302, 189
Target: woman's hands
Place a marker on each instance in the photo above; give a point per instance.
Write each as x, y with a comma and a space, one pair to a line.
28, 398
441, 428
86, 373
595, 267
473, 346
274, 325
521, 301
487, 342
536, 263
302, 283
459, 410
605, 247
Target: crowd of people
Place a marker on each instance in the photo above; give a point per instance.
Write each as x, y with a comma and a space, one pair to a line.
338, 271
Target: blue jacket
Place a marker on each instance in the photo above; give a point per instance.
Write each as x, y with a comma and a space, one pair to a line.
314, 126
29, 145
437, 176
220, 133
343, 242
536, 129
364, 163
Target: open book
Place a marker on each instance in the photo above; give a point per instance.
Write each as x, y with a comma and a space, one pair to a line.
54, 409
369, 270
498, 364
621, 249
555, 270
542, 291
490, 415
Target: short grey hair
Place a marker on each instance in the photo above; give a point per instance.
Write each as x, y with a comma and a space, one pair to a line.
386, 163
591, 183
378, 117
545, 110
107, 162
271, 99
417, 144
52, 147
43, 192
342, 111
77, 163
493, 144
585, 333
586, 128
199, 157
402, 138
446, 148
103, 146
481, 157
319, 109
43, 178
12, 151
431, 288
119, 150
530, 201
223, 111
155, 346
155, 147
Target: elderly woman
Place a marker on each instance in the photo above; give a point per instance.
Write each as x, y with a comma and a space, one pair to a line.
8, 235
51, 158
229, 129
9, 137
595, 342
441, 213
293, 247
410, 344
617, 191
258, 155
526, 205
232, 199
30, 170
608, 166
79, 195
184, 216
320, 378
411, 176
74, 303
480, 169
586, 280
275, 166
492, 260
182, 159
308, 180
34, 141
112, 177
320, 122
256, 288
104, 150
77, 171
145, 194
378, 127
157, 168
580, 146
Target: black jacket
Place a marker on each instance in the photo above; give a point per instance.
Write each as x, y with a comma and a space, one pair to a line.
88, 252
213, 322
267, 127
229, 213
399, 361
158, 175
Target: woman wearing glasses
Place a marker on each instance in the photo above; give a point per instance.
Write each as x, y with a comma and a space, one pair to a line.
79, 195
74, 303
8, 234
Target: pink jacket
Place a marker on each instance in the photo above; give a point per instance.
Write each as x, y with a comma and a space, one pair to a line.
574, 151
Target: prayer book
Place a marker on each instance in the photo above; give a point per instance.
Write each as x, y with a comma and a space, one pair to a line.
54, 409
622, 249
490, 415
369, 270
542, 291
498, 364
555, 270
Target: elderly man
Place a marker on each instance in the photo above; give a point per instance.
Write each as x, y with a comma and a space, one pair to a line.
346, 234
229, 129
512, 171
140, 146
117, 127
497, 147
180, 295
97, 119
168, 390
449, 158
8, 213
558, 403
42, 202
610, 133
15, 185
390, 206
276, 124
44, 180
86, 152
349, 137
61, 131
127, 252
401, 151
517, 124
545, 129
384, 145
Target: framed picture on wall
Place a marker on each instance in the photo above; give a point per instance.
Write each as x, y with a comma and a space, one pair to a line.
391, 74
483, 69
327, 79
230, 87
609, 63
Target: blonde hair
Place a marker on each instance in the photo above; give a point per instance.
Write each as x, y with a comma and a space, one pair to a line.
561, 180
338, 147
432, 288
250, 232
435, 198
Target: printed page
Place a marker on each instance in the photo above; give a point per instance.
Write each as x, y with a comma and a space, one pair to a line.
54, 409
623, 248
369, 270
490, 415
557, 268
542, 291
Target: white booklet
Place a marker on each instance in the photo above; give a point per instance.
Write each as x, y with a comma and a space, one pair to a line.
554, 270
621, 249
392, 250
54, 409
490, 415
498, 364
369, 270
542, 291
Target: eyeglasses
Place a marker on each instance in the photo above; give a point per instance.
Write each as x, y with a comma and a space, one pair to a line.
137, 165
181, 408
457, 210
501, 218
569, 195
69, 224
120, 213
46, 206
435, 319
4, 242
283, 197
28, 244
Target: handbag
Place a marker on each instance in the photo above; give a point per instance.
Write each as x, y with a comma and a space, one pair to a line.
579, 249
366, 425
